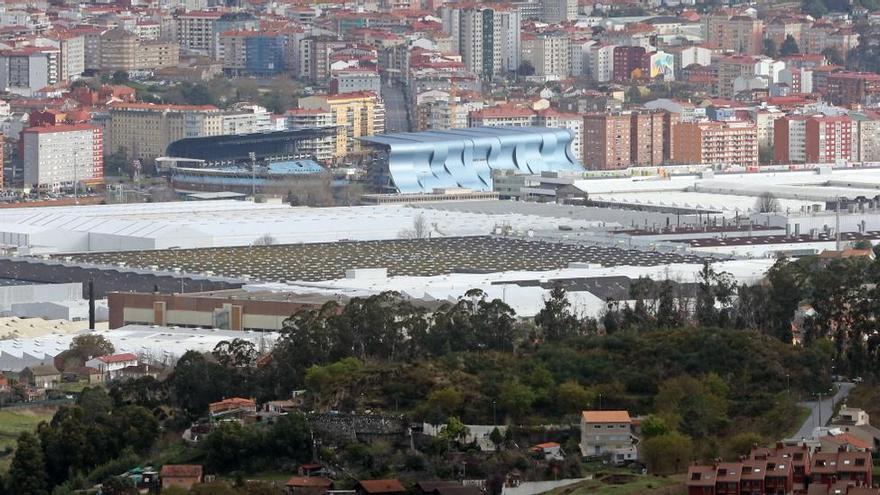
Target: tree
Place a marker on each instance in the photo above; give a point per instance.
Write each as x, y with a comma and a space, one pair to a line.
833, 56
95, 403
455, 430
515, 398
444, 402
789, 47
654, 426
27, 473
815, 8
669, 453
742, 443
117, 485
572, 398
421, 229
264, 240
525, 69
237, 353
766, 203
291, 438
555, 318
770, 48
119, 77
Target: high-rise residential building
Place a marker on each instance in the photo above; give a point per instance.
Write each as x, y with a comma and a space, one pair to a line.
815, 139
556, 11
738, 33
487, 37
195, 31
144, 131
61, 155
729, 69
122, 50
321, 148
607, 143
868, 149
25, 70
246, 118
629, 61
549, 53
356, 115
601, 62
853, 88
231, 21
440, 109
646, 138
716, 143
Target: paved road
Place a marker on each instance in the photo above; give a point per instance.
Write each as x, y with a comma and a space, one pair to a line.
822, 411
395, 108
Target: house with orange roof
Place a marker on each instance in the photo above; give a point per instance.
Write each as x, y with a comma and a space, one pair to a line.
548, 451
232, 408
609, 434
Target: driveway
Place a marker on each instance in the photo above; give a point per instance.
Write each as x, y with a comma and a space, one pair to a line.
822, 411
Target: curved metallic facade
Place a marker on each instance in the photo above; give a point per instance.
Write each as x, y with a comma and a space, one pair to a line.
415, 162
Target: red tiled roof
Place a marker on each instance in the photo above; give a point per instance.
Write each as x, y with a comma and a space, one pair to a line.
118, 358
606, 416
381, 486
181, 471
309, 482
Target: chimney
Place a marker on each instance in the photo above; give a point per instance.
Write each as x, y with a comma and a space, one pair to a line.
91, 304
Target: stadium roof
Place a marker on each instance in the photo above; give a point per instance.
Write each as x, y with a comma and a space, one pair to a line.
422, 161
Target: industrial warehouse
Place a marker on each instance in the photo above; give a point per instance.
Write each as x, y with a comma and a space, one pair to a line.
229, 266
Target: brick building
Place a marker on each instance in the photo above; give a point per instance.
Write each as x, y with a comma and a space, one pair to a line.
716, 143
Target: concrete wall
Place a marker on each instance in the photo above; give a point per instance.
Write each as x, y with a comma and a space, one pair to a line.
14, 294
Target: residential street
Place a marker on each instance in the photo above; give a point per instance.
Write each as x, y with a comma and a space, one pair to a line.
827, 408
395, 108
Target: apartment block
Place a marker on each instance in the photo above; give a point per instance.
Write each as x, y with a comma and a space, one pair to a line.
628, 62
557, 11
716, 143
122, 50
323, 149
195, 31
144, 131
646, 138
549, 53
356, 115
869, 138
488, 38
62, 155
737, 33
815, 139
25, 70
607, 142
853, 88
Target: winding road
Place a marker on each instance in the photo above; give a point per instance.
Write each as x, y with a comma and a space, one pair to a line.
820, 412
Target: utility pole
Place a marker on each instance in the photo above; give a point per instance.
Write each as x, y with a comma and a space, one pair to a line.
837, 226
75, 178
253, 157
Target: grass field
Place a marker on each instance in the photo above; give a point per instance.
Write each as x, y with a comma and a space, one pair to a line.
625, 485
15, 421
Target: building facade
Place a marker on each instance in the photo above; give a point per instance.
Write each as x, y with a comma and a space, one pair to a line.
716, 143
356, 115
62, 155
465, 158
608, 433
144, 131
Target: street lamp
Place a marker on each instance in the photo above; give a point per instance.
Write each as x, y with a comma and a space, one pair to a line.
494, 415
788, 383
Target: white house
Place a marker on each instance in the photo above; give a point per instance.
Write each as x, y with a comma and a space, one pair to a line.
110, 365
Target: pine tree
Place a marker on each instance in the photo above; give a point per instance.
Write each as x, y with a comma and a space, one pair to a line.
27, 474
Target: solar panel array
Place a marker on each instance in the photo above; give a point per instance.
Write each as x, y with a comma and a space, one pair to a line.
412, 257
